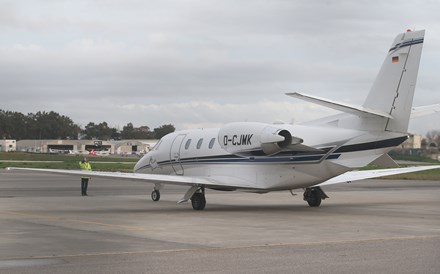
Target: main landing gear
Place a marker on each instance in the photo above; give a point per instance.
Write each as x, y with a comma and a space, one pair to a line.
314, 195
195, 193
198, 200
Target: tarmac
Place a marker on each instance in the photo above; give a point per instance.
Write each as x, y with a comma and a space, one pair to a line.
373, 226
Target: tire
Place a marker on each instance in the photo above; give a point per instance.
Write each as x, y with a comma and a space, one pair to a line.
314, 199
155, 195
198, 201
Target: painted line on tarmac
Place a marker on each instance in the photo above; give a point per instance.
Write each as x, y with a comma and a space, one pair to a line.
6, 264
206, 249
47, 217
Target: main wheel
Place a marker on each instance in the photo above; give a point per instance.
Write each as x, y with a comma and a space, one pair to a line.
155, 195
198, 201
313, 198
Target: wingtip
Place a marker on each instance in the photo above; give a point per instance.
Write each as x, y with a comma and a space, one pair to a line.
291, 93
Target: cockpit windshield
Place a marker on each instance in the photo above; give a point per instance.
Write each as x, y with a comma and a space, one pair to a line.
156, 146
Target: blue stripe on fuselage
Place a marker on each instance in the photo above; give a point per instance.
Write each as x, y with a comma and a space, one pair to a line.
406, 44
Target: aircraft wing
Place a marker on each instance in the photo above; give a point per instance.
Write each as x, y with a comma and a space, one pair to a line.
151, 178
357, 175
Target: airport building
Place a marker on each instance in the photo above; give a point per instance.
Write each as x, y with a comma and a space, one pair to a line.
8, 145
414, 141
121, 147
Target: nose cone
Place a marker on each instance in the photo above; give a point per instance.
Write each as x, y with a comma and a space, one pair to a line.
142, 163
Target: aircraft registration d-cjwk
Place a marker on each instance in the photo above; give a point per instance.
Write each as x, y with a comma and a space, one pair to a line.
258, 157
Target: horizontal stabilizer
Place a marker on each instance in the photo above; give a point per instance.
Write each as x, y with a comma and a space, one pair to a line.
357, 175
425, 110
348, 108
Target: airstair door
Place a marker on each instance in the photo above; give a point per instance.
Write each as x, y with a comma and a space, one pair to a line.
175, 154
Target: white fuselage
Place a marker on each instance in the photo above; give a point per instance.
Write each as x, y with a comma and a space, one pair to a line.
198, 153
262, 157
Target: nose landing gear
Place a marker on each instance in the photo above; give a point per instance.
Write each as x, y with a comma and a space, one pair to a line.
155, 195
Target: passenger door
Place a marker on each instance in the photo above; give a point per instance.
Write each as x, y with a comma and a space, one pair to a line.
175, 154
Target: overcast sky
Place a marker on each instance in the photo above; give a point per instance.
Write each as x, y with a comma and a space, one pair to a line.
204, 63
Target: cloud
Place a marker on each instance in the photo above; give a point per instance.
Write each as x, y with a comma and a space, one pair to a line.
207, 62
205, 113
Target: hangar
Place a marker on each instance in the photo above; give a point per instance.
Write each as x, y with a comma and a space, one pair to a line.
7, 145
120, 147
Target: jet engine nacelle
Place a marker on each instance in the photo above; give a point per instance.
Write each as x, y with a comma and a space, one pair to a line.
245, 138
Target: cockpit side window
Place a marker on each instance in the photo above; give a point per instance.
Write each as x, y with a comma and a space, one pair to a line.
187, 143
199, 143
211, 143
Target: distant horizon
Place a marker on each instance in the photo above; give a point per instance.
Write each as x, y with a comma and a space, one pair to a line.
196, 66
110, 126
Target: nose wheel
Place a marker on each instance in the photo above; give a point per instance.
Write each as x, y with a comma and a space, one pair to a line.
155, 195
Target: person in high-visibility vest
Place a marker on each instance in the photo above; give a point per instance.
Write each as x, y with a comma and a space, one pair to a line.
85, 166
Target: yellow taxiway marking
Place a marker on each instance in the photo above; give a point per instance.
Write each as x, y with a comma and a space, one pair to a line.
47, 217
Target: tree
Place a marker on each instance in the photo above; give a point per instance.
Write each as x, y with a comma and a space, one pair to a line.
13, 125
100, 131
424, 143
127, 131
51, 125
41, 125
143, 132
131, 132
433, 137
163, 130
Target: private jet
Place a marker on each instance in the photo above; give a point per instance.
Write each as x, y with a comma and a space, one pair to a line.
260, 158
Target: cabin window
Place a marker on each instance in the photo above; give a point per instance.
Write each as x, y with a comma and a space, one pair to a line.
211, 143
199, 143
187, 143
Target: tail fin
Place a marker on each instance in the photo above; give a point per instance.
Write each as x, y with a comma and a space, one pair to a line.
393, 89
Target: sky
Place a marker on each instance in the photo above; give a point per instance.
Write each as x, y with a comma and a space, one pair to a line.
203, 63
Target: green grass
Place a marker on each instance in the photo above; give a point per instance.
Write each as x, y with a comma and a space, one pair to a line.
99, 164
432, 175
60, 157
413, 158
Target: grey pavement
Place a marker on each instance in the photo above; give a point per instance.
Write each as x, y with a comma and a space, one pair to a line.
375, 226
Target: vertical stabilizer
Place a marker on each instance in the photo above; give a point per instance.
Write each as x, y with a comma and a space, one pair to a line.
393, 89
